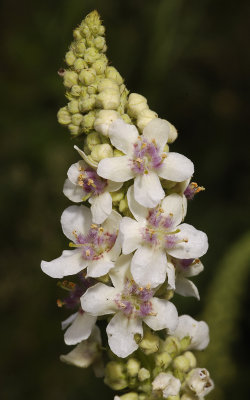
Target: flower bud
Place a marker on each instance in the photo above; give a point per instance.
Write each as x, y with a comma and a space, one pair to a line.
63, 116
181, 363
84, 29
79, 64
88, 121
142, 396
100, 65
76, 90
126, 118
123, 205
87, 76
92, 140
171, 345
70, 58
108, 99
150, 343
136, 104
74, 129
87, 103
112, 73
163, 360
104, 119
187, 396
173, 397
101, 151
101, 30
133, 366
107, 84
143, 374
199, 382
73, 106
77, 34
92, 89
185, 342
166, 148
118, 153
191, 358
145, 117
80, 48
167, 383
99, 42
115, 376
117, 196
129, 396
91, 55
172, 135
70, 78
93, 21
77, 119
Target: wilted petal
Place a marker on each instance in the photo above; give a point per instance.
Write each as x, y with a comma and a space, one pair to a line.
148, 190
69, 263
198, 331
80, 328
176, 168
116, 168
166, 315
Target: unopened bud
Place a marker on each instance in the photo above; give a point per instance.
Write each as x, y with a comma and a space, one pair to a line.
87, 103
79, 64
107, 84
87, 76
112, 73
93, 139
108, 99
88, 121
136, 104
70, 58
74, 129
187, 396
73, 106
185, 342
123, 205
149, 343
100, 65
163, 360
99, 42
115, 376
118, 153
101, 30
145, 117
172, 135
80, 48
133, 366
101, 151
104, 119
77, 119
76, 90
117, 196
77, 34
143, 374
171, 345
91, 55
129, 396
181, 363
126, 118
70, 78
64, 116
167, 383
199, 382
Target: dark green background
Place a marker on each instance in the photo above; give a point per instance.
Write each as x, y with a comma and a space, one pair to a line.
189, 58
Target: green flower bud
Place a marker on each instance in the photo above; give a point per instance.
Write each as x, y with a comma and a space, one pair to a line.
145, 387
92, 140
101, 30
92, 89
115, 376
93, 21
107, 84
149, 343
80, 48
101, 151
87, 103
136, 104
79, 64
117, 196
133, 366
73, 106
99, 42
76, 90
112, 73
100, 65
171, 345
143, 374
145, 117
88, 121
77, 119
84, 29
70, 78
166, 148
169, 294
104, 120
129, 396
163, 360
174, 397
63, 116
77, 34
91, 55
118, 153
70, 57
126, 118
191, 358
108, 99
187, 396
87, 76
74, 129
172, 136
123, 205
181, 363
179, 375
185, 342
142, 396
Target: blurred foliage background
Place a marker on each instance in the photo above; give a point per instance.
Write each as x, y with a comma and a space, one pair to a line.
189, 58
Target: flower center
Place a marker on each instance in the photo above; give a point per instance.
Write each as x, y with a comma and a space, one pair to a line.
134, 301
91, 182
146, 156
95, 242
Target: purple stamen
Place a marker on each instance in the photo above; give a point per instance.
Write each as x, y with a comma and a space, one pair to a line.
146, 156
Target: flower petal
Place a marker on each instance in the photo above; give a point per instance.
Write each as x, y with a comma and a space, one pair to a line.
80, 328
186, 288
113, 186
149, 266
69, 263
130, 235
101, 207
68, 321
139, 212
75, 220
176, 167
148, 190
99, 300
112, 223
73, 192
166, 315
173, 205
99, 267
171, 275
121, 331
157, 129
123, 135
86, 158
193, 243
121, 271
197, 330
74, 171
194, 269
116, 169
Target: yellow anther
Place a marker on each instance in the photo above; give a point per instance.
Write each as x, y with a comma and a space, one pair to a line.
87, 252
161, 210
59, 303
171, 214
101, 229
164, 155
146, 171
139, 160
148, 286
153, 141
143, 145
141, 289
93, 226
91, 183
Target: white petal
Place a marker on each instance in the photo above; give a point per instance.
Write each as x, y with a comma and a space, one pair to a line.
68, 321
176, 167
99, 300
75, 220
171, 275
121, 331
139, 212
157, 129
69, 263
73, 192
130, 235
113, 186
123, 135
112, 223
80, 329
185, 287
197, 330
184, 206
99, 267
166, 315
148, 190
149, 266
114, 253
101, 207
194, 244
121, 271
116, 169
173, 204
194, 269
86, 158
74, 171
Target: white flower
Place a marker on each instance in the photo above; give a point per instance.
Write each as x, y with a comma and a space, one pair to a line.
96, 246
80, 325
198, 332
156, 232
83, 183
199, 381
131, 305
167, 383
86, 353
144, 160
185, 269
